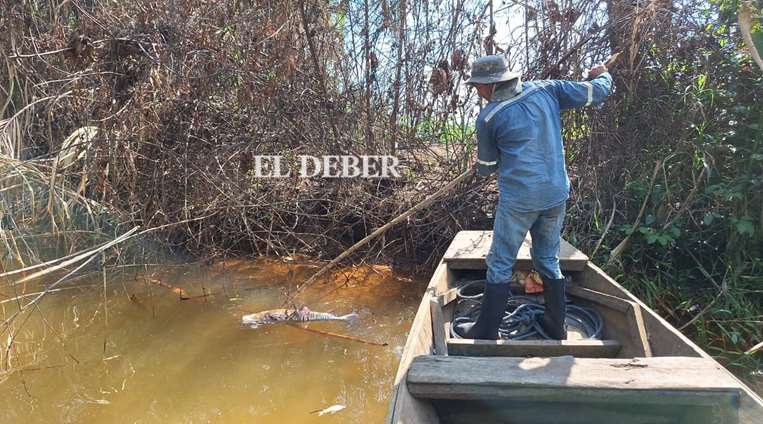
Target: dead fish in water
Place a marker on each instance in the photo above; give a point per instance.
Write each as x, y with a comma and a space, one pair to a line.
333, 409
302, 314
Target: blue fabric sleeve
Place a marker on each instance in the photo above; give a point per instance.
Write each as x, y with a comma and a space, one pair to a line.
572, 94
487, 151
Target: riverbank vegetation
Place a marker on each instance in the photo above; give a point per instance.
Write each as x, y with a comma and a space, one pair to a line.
116, 115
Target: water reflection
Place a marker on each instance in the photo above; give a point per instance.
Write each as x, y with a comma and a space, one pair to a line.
146, 356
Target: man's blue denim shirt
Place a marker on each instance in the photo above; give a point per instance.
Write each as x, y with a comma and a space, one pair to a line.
519, 134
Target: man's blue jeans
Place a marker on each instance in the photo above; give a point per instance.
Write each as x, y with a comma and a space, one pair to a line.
509, 232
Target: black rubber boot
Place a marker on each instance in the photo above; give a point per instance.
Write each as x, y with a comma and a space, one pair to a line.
491, 313
552, 320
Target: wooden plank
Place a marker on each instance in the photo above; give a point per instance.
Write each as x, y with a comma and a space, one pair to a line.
636, 324
445, 281
447, 313
608, 300
404, 408
469, 249
667, 340
539, 412
438, 327
626, 325
660, 373
545, 348
448, 296
665, 380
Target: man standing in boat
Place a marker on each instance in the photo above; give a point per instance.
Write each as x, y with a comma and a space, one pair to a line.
519, 135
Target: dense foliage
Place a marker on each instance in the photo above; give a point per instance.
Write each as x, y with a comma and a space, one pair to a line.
151, 112
695, 252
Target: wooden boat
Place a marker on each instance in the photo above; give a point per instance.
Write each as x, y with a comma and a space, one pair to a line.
643, 371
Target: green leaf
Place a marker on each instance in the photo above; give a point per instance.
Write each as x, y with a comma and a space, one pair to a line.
708, 219
757, 40
701, 79
744, 226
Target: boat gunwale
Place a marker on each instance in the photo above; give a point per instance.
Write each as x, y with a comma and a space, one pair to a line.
751, 402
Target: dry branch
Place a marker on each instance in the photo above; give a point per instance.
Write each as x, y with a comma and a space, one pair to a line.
381, 230
339, 336
620, 248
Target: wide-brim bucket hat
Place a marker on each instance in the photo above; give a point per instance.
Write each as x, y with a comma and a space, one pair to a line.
491, 69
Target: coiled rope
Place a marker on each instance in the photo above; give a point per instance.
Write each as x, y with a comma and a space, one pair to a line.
521, 318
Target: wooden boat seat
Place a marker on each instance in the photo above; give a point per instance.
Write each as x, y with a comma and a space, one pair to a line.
469, 249
522, 348
666, 389
624, 332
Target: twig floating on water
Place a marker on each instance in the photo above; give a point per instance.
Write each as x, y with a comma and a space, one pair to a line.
340, 336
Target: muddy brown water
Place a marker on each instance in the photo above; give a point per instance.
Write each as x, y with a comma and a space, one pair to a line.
148, 357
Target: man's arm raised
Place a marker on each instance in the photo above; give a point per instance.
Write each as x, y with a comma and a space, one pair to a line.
572, 94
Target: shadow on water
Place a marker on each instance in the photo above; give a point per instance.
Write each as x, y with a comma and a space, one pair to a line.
150, 357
